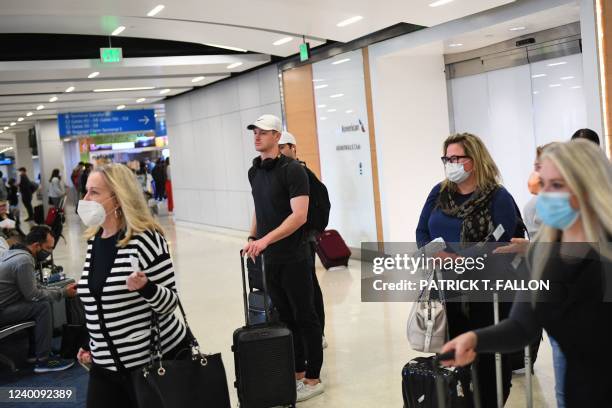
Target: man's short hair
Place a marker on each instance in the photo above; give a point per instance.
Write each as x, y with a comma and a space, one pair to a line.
21, 169
38, 234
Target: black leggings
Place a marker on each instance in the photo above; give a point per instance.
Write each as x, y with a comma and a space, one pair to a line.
114, 389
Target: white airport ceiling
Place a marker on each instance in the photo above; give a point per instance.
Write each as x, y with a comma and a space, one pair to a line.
252, 25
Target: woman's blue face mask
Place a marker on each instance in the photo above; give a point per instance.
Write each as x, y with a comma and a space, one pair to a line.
555, 210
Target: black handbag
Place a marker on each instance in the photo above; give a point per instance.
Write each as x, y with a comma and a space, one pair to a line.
198, 381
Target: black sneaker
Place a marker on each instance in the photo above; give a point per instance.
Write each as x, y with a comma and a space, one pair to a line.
53, 364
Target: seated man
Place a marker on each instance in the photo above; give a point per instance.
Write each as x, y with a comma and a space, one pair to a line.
23, 299
10, 234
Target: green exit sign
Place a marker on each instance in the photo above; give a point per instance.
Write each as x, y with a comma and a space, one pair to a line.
111, 54
304, 52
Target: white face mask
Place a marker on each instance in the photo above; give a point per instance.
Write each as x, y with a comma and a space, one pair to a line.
7, 223
92, 213
456, 173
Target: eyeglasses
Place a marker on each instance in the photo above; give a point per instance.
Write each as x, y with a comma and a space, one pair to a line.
453, 159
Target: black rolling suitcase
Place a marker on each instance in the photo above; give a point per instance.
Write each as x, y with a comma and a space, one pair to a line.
263, 358
426, 385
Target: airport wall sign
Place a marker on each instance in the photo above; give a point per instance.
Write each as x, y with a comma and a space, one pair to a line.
104, 123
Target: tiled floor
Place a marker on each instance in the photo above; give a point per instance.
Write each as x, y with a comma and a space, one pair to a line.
367, 342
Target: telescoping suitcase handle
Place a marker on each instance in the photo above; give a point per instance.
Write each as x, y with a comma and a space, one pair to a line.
243, 260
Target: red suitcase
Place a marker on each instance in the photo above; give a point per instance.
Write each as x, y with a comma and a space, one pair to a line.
332, 249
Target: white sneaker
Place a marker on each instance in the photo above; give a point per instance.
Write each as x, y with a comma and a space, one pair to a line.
324, 344
305, 391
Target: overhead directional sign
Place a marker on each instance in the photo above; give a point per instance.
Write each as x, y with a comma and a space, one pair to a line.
103, 123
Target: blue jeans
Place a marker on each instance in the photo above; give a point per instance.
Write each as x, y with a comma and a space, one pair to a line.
559, 365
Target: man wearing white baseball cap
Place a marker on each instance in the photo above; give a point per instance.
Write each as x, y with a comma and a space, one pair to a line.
280, 191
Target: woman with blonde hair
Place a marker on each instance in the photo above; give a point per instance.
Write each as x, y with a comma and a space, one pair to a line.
127, 277
464, 210
571, 251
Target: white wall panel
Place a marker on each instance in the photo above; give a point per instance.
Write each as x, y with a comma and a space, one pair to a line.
248, 91
212, 150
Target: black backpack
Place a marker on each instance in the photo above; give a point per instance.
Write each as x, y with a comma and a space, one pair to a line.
318, 205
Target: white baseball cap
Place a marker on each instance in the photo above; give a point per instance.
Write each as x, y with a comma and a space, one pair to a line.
267, 122
287, 137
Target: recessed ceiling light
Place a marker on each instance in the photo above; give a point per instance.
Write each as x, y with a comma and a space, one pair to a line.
93, 75
118, 30
331, 110
29, 114
336, 95
139, 88
6, 128
227, 47
140, 100
439, 3
554, 64
283, 41
197, 79
321, 106
53, 99
1, 131
323, 118
318, 80
321, 86
341, 61
120, 107
40, 107
349, 21
538, 75
554, 85
164, 91
455, 45
565, 78
69, 89
234, 65
155, 10
520, 28
20, 120
576, 87
349, 111
13, 123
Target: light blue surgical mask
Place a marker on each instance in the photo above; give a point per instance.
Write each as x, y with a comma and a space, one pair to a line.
555, 210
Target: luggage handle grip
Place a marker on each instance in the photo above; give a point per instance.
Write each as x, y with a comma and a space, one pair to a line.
244, 290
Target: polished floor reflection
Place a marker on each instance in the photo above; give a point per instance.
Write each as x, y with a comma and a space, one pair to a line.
367, 341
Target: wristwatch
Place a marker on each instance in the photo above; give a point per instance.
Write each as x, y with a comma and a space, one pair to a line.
251, 238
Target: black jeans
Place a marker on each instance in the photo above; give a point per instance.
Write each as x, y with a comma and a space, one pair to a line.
27, 203
115, 389
291, 289
318, 295
40, 312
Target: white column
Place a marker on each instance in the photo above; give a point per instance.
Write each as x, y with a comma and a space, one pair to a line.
23, 152
50, 153
590, 68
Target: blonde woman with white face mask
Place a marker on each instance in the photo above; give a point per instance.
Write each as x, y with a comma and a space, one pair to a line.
128, 275
571, 251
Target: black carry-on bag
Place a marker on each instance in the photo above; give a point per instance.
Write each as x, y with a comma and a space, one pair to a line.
263, 357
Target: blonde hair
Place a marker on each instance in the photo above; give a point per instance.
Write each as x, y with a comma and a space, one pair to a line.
588, 174
485, 169
133, 210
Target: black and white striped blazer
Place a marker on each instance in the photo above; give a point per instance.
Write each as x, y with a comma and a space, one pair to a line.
119, 321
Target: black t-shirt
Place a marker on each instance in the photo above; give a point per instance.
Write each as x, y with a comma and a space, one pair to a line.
272, 189
103, 255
